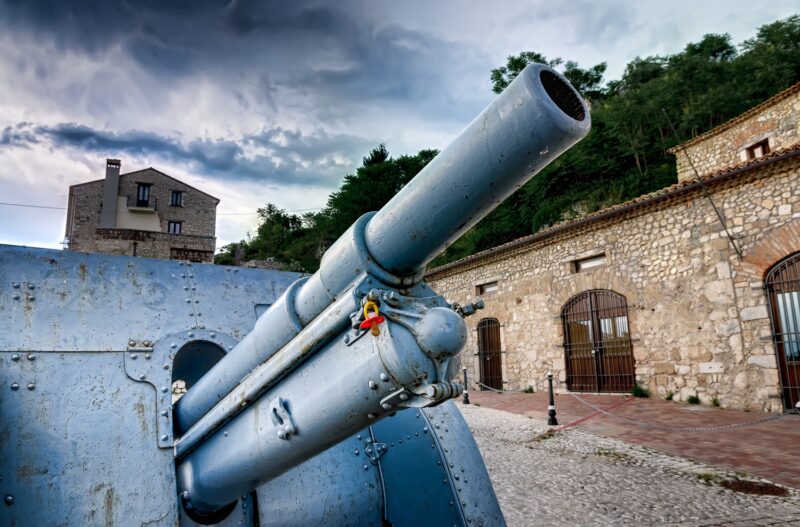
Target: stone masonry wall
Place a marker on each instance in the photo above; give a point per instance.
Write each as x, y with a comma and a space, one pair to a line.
779, 123
198, 217
198, 214
697, 314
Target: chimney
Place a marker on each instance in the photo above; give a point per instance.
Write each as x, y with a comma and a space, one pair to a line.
108, 216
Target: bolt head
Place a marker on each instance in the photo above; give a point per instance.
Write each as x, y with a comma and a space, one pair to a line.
165, 437
9, 499
281, 434
191, 334
131, 343
403, 397
385, 377
31, 287
372, 385
147, 356
386, 406
134, 356
31, 356
142, 376
15, 357
15, 296
31, 298
15, 285
164, 413
164, 389
212, 335
166, 366
370, 416
31, 386
14, 386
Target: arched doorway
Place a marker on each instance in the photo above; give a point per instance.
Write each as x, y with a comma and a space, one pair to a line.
597, 343
783, 289
491, 368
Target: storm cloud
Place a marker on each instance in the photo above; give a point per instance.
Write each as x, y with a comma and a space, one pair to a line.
277, 156
261, 101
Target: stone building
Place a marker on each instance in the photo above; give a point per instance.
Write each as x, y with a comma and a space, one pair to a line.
143, 213
659, 291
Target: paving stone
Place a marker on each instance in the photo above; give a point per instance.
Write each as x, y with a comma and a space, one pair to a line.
576, 478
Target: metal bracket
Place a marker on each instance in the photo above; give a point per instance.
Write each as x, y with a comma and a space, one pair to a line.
434, 394
151, 363
375, 451
282, 418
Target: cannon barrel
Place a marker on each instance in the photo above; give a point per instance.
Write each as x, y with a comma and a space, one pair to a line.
536, 118
305, 377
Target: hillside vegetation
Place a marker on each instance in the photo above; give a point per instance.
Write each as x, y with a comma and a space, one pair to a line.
624, 156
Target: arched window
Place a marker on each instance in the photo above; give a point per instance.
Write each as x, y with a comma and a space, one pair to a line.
783, 288
597, 343
491, 369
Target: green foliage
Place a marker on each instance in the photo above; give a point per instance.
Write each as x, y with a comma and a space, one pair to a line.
693, 399
669, 396
715, 402
640, 391
529, 389
586, 81
623, 157
625, 154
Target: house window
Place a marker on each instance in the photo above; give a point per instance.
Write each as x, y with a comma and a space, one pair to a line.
176, 200
590, 262
488, 287
143, 194
174, 227
757, 150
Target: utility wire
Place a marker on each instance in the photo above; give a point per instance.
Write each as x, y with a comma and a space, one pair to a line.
250, 213
706, 193
31, 206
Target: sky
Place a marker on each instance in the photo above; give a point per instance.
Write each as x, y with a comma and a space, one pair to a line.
261, 101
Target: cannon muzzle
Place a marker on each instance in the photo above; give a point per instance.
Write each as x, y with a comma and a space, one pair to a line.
307, 375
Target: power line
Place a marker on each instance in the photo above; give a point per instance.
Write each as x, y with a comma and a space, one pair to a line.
250, 213
32, 206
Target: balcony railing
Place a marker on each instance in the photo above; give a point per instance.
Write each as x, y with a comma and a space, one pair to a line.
142, 205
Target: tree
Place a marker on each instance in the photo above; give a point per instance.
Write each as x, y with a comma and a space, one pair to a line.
586, 81
300, 241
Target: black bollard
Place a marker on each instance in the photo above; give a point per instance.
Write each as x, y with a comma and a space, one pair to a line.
466, 395
551, 407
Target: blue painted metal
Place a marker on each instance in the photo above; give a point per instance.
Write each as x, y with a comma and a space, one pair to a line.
516, 136
293, 417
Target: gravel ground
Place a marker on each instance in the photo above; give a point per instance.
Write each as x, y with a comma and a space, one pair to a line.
575, 478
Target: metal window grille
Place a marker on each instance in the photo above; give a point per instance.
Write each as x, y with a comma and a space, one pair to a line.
597, 343
489, 353
783, 290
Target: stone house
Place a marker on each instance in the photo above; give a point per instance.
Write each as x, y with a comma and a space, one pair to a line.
660, 291
143, 213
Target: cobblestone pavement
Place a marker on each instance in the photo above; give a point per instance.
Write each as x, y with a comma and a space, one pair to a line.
579, 479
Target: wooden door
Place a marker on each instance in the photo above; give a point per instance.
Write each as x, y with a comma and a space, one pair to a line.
597, 344
489, 354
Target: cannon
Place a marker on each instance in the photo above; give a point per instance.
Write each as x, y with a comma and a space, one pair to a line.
320, 399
